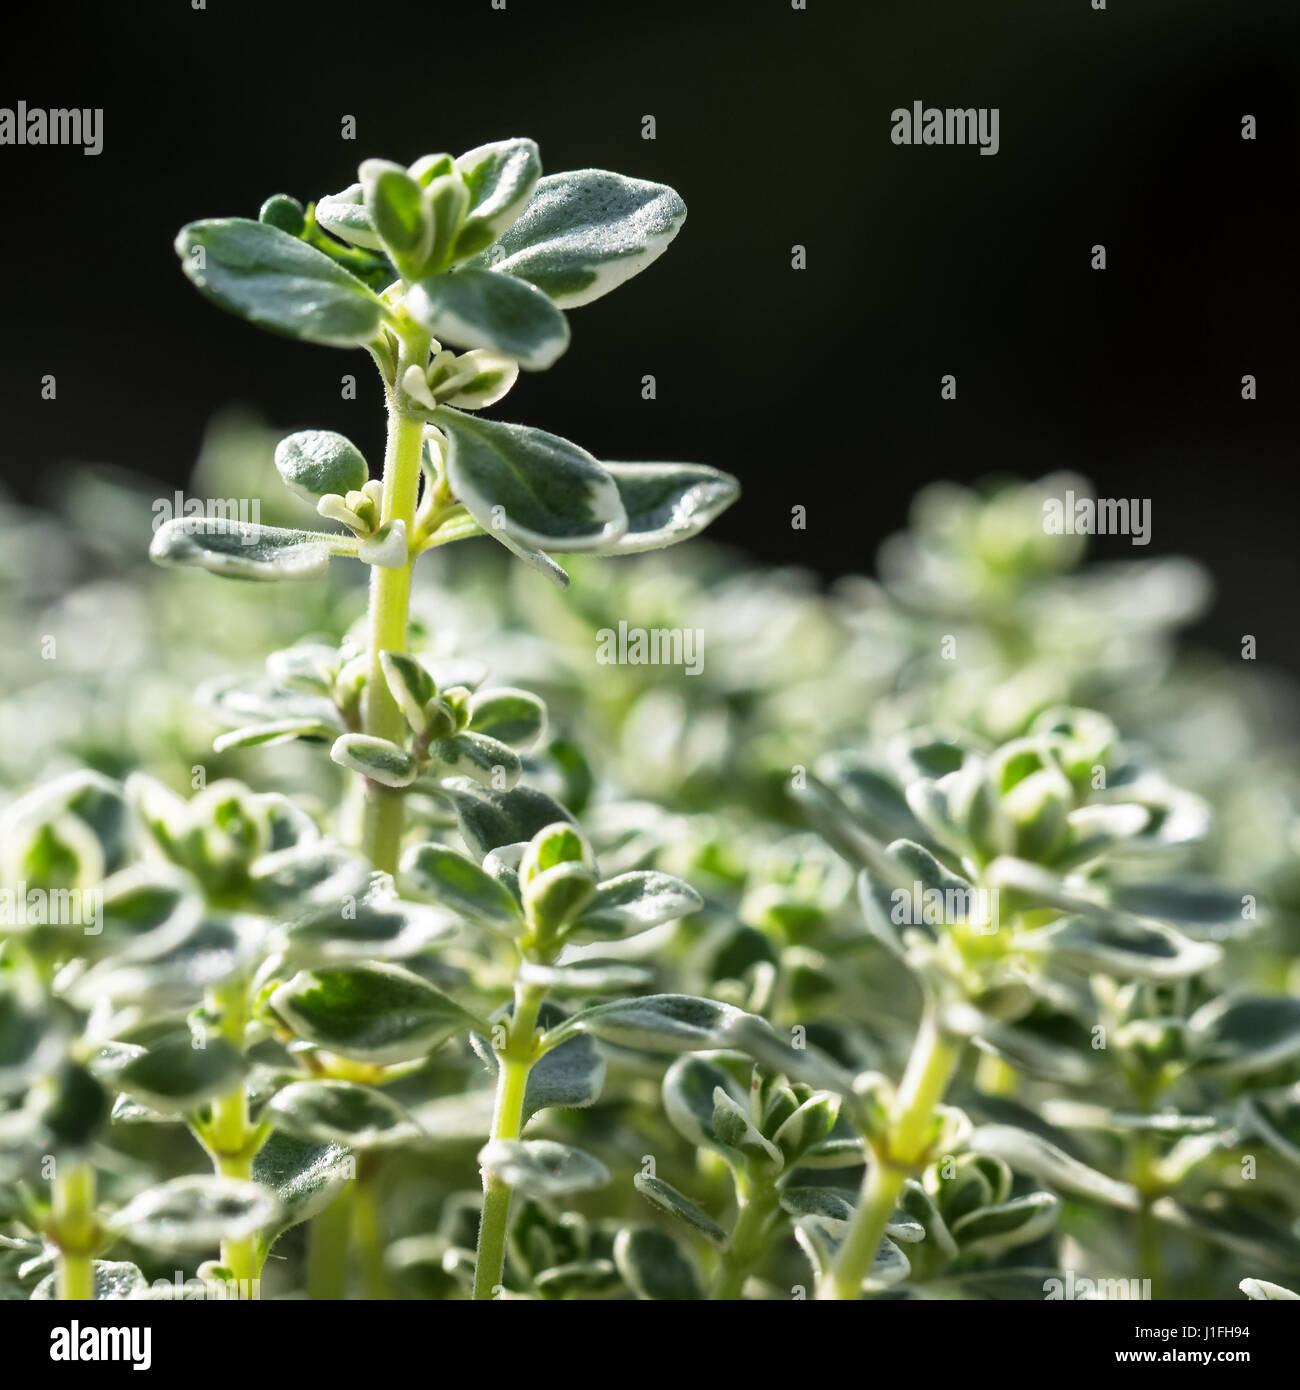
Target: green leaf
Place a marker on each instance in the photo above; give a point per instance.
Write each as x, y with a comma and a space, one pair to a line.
513, 717
175, 1076
817, 1201
481, 379
809, 1126
587, 976
278, 282
539, 489
568, 1077
810, 1065
554, 897
147, 910
436, 872
585, 232
993, 1230
735, 1130
667, 1198
287, 213
690, 1090
346, 216
661, 1023
342, 1112
667, 502
294, 880
375, 758
371, 1013
385, 928
478, 758
399, 213
410, 685
216, 950
821, 1240
584, 1279
303, 1177
916, 1204
499, 178
654, 1266
1247, 1034
1032, 1155
535, 559
1096, 829
315, 462
1125, 948
488, 819
634, 902
542, 1167
193, 1213
1199, 907
480, 309
242, 550
278, 731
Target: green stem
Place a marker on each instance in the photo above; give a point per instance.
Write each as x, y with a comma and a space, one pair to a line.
327, 1250
1147, 1232
389, 614
75, 1231
750, 1237
935, 1056
367, 1231
230, 1133
513, 1065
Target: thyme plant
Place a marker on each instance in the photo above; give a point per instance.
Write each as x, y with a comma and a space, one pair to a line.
841, 969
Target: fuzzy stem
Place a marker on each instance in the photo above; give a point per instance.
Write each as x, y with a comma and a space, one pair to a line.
513, 1065
74, 1222
934, 1058
389, 614
750, 1237
229, 1135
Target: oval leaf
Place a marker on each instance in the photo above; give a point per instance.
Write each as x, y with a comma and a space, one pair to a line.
480, 309
242, 550
585, 232
667, 502
316, 462
193, 1213
541, 489
342, 1112
278, 282
371, 1013
541, 1167
634, 902
439, 873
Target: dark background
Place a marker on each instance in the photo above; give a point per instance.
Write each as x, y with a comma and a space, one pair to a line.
818, 387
